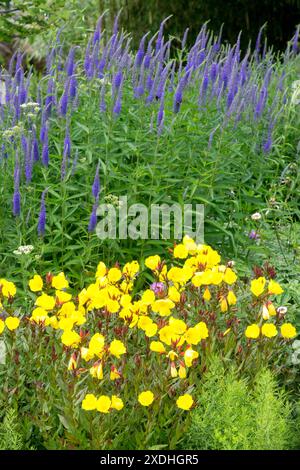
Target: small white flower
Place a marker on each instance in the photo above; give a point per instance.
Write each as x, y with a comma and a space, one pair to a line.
23, 250
256, 216
282, 310
296, 344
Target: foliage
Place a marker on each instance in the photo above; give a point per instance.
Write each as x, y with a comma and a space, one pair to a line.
233, 414
10, 437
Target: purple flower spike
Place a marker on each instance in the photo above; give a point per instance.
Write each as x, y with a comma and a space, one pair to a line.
42, 215
93, 217
96, 184
17, 203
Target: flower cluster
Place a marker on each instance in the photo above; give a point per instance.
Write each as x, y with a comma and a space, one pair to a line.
192, 307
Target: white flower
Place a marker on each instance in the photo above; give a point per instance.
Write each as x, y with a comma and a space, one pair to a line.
282, 310
23, 250
256, 216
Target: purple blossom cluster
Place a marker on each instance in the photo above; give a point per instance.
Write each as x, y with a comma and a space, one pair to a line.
223, 75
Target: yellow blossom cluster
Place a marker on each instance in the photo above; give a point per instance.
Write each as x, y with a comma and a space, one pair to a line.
191, 304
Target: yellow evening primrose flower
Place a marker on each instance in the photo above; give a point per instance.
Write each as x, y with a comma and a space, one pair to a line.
189, 356
288, 331
151, 330
152, 262
190, 244
45, 301
117, 348
185, 402
258, 286
114, 275
96, 371
269, 330
173, 294
101, 270
196, 333
207, 294
182, 372
36, 283
62, 296
96, 344
178, 326
274, 288
223, 305
12, 323
229, 276
231, 298
157, 346
72, 363
252, 331
7, 288
103, 404
117, 403
86, 354
112, 306
2, 326
180, 251
60, 282
131, 269
70, 338
89, 402
163, 307
146, 398
148, 297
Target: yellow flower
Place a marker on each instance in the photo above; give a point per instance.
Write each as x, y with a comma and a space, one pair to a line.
189, 244
189, 356
148, 297
252, 331
180, 251
163, 307
146, 398
103, 404
45, 301
231, 298
96, 344
7, 288
157, 346
101, 270
39, 315
229, 276
151, 330
114, 275
2, 326
274, 288
12, 323
70, 338
72, 362
173, 370
167, 335
207, 294
223, 305
62, 296
185, 402
96, 371
117, 403
112, 306
86, 354
36, 283
269, 330
288, 330
258, 286
182, 372
131, 269
195, 334
117, 348
89, 403
60, 282
152, 262
114, 374
173, 294
178, 326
